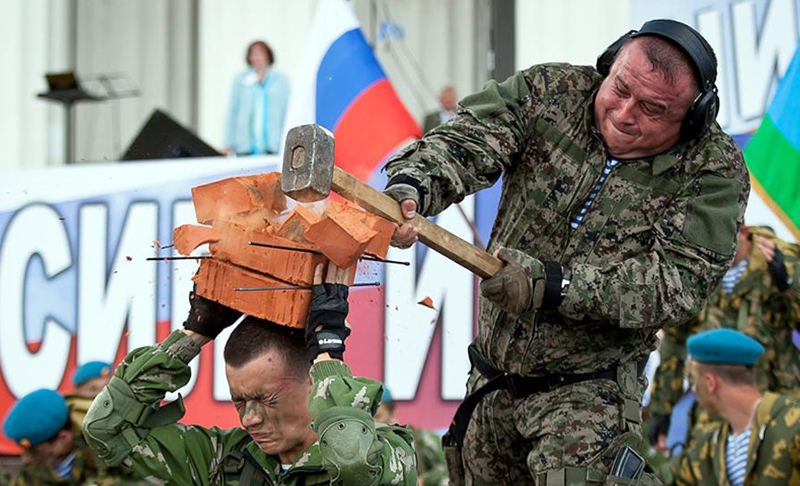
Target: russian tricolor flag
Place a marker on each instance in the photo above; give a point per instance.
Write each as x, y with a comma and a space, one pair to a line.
345, 90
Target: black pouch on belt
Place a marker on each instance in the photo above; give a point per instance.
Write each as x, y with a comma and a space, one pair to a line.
455, 464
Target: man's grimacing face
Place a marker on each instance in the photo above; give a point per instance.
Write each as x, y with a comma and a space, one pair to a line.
272, 404
637, 110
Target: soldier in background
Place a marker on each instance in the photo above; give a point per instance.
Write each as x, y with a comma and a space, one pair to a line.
447, 102
53, 454
431, 467
758, 439
760, 297
88, 379
302, 423
620, 204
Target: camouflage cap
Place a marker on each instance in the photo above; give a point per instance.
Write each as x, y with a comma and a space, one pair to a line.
724, 346
92, 369
36, 418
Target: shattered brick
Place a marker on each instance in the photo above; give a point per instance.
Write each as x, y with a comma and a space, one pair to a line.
297, 224
218, 280
341, 236
188, 237
237, 195
290, 266
379, 244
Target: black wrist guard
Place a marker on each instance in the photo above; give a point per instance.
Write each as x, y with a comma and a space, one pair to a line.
421, 191
553, 277
326, 330
207, 317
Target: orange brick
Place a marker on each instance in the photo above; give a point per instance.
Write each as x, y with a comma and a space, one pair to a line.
218, 280
269, 187
295, 226
237, 195
379, 244
188, 237
341, 236
290, 266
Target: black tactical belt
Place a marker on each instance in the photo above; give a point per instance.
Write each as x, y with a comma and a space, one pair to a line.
519, 387
523, 386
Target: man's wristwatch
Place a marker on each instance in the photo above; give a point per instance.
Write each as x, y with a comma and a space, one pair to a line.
557, 279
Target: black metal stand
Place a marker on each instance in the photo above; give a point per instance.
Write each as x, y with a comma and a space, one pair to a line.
67, 98
66, 90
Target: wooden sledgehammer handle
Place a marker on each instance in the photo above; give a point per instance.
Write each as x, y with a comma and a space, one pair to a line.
434, 236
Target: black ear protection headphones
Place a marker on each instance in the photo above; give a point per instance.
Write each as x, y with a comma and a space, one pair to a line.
704, 108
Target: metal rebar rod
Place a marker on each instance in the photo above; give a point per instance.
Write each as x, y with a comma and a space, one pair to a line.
281, 247
297, 287
370, 258
168, 258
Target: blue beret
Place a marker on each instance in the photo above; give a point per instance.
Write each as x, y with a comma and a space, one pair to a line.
724, 346
387, 396
36, 418
92, 369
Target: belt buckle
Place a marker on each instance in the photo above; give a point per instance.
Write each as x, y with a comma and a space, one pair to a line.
511, 379
554, 381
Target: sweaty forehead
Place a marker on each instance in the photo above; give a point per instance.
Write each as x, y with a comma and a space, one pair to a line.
262, 375
636, 72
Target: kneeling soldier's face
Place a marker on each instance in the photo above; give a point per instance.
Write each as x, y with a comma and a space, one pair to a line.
273, 404
51, 452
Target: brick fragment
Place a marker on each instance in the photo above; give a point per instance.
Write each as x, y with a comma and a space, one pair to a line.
188, 237
297, 224
290, 266
269, 187
217, 280
341, 236
427, 302
237, 195
379, 244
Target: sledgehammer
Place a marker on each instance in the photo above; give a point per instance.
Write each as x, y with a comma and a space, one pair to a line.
309, 175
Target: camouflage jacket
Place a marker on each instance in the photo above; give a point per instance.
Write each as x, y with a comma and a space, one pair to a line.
120, 430
773, 457
755, 307
431, 466
656, 240
85, 471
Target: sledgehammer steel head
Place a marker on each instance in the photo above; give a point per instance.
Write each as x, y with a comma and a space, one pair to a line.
307, 163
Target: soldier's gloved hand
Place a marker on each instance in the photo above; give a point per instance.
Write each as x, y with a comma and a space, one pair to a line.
326, 330
659, 426
403, 187
207, 317
410, 194
511, 288
403, 192
524, 283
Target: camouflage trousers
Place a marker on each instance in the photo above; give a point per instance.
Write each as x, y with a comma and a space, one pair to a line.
567, 436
